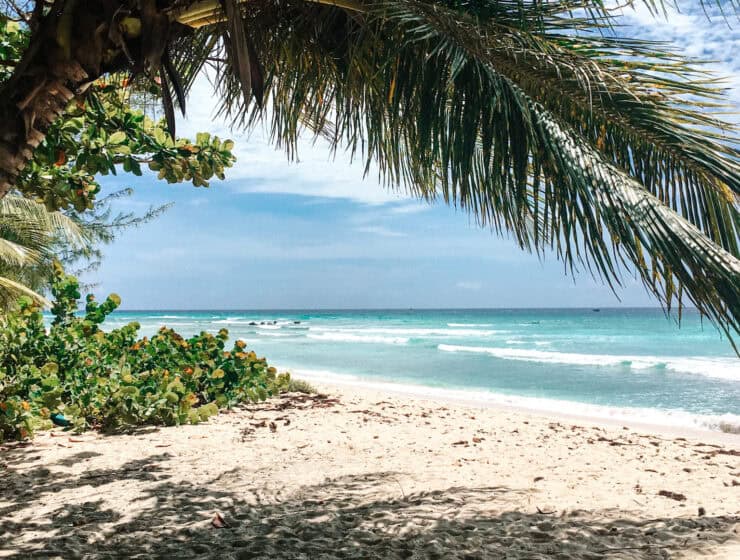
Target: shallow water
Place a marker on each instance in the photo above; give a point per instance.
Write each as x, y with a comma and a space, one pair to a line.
623, 363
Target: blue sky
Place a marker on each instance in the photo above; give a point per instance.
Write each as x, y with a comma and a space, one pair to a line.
315, 234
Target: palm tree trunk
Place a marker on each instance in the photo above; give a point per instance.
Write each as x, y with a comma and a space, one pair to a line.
65, 54
29, 108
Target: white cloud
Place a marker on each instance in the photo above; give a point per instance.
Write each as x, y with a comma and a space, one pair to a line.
380, 230
693, 34
468, 285
414, 207
261, 168
198, 201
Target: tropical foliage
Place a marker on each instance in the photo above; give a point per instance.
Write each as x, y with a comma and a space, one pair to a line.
100, 135
29, 237
116, 380
32, 238
103, 135
532, 115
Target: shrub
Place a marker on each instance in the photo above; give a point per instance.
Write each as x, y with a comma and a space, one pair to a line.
116, 380
300, 386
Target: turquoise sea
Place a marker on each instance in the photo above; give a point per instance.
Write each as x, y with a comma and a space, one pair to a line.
618, 363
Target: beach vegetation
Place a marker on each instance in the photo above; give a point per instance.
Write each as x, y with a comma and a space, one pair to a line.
300, 386
77, 375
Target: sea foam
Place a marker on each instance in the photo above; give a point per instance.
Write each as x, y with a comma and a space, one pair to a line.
671, 418
720, 368
413, 332
455, 325
349, 337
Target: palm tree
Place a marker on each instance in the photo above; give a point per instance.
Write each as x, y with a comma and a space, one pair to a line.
28, 237
530, 114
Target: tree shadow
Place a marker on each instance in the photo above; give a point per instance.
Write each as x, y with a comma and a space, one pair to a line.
348, 517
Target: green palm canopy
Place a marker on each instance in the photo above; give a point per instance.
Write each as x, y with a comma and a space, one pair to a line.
28, 236
530, 114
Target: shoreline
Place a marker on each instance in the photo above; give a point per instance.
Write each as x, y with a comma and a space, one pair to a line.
496, 401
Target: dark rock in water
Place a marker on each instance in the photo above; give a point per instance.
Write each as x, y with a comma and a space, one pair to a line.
296, 322
252, 323
262, 322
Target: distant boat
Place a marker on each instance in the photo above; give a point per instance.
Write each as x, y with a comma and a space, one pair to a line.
596, 310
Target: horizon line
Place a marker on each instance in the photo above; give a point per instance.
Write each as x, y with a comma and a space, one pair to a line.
284, 309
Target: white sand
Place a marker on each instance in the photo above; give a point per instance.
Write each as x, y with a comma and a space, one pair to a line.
368, 475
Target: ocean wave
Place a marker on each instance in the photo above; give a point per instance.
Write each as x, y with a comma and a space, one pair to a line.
274, 334
157, 324
348, 337
248, 323
535, 342
469, 324
669, 418
720, 368
415, 332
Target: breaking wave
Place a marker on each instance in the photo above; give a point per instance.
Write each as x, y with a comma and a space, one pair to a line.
719, 368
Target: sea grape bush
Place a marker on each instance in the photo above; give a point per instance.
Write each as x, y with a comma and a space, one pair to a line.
114, 380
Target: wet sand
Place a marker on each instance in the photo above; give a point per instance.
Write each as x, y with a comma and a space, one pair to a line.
355, 473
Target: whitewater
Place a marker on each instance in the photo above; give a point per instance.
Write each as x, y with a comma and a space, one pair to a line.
612, 363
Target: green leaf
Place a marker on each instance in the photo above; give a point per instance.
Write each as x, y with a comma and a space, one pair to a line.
121, 149
117, 137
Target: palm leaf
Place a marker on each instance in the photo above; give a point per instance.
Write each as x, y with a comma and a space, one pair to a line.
31, 216
609, 152
452, 107
28, 237
10, 291
15, 254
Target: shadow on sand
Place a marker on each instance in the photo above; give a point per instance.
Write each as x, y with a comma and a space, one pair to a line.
349, 517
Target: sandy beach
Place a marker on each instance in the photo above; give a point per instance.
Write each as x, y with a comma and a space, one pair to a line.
356, 473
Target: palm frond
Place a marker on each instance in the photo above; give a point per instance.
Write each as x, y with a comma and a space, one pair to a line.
15, 254
609, 152
600, 149
28, 214
10, 291
29, 235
